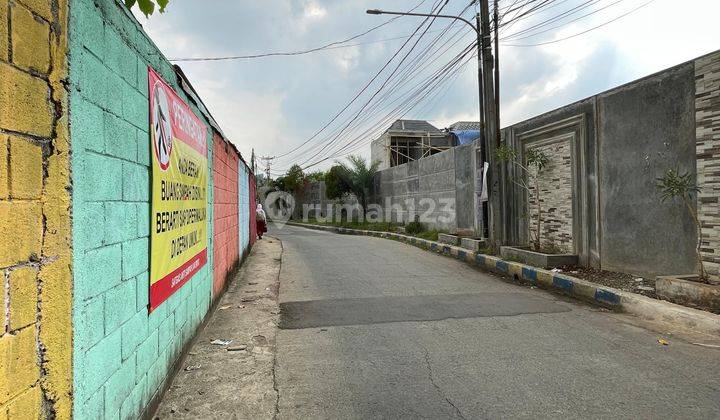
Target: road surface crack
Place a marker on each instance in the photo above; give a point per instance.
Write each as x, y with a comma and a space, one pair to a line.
437, 387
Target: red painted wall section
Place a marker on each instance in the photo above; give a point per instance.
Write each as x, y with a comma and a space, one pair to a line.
225, 234
253, 207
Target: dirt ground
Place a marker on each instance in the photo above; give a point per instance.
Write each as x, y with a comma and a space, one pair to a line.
234, 380
622, 281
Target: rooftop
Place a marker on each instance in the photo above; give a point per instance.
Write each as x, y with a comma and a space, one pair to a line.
413, 125
465, 125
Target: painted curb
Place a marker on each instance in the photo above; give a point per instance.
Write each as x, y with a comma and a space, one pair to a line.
632, 303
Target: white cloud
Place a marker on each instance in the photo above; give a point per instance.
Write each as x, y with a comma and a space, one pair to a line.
346, 59
314, 11
248, 118
270, 103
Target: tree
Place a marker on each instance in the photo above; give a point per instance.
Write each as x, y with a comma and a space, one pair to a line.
294, 179
673, 185
535, 161
315, 176
279, 183
336, 185
147, 6
359, 177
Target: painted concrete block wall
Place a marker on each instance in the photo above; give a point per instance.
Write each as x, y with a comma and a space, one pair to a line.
244, 208
121, 354
253, 205
35, 256
707, 129
225, 184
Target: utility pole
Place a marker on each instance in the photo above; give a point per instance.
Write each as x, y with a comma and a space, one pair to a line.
268, 163
253, 162
488, 211
499, 225
496, 21
491, 130
480, 207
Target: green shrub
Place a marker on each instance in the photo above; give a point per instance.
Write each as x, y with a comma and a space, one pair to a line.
430, 235
413, 228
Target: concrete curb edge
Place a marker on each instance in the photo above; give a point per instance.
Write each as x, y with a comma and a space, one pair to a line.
619, 300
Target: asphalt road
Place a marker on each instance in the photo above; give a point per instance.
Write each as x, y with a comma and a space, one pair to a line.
372, 328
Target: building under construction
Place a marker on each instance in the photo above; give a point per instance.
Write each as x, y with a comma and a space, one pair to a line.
409, 140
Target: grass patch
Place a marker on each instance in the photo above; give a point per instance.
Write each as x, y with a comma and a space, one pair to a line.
430, 235
489, 251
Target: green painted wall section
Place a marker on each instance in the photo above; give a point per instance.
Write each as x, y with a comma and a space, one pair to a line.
121, 354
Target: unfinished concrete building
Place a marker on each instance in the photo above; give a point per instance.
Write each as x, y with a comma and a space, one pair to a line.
409, 140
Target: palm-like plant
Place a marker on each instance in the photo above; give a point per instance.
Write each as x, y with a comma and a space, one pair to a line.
359, 177
535, 161
673, 185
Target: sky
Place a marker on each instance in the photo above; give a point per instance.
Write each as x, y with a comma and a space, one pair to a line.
275, 104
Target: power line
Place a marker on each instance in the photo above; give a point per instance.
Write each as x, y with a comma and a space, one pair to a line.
370, 133
441, 78
556, 18
367, 85
513, 37
583, 32
323, 146
386, 79
402, 79
384, 84
364, 137
291, 53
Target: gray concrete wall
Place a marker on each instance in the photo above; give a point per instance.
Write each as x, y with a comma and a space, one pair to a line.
426, 188
547, 125
621, 141
313, 194
645, 129
464, 186
379, 152
632, 134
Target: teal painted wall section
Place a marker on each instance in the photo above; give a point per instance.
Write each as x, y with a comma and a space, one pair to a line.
243, 207
121, 353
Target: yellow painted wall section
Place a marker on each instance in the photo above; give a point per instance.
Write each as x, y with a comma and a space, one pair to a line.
35, 265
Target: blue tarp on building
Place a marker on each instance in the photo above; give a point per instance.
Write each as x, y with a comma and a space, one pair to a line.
465, 136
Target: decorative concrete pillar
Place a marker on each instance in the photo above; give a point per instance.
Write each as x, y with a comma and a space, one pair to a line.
707, 119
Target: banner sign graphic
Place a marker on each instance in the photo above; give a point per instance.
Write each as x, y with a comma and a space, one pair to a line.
178, 238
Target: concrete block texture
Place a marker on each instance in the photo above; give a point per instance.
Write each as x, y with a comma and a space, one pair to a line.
30, 39
23, 290
24, 218
35, 260
424, 188
122, 353
4, 32
225, 188
24, 102
20, 369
